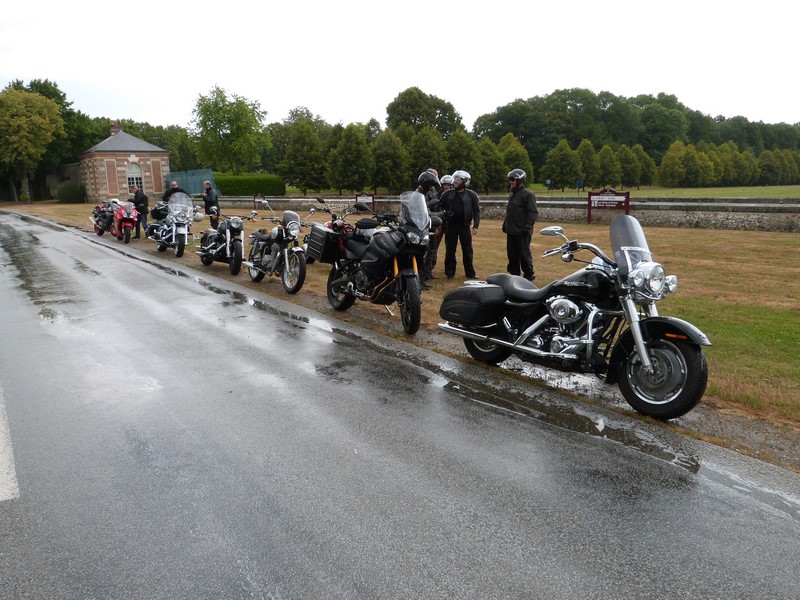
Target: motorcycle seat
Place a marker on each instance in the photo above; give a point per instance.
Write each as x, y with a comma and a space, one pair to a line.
518, 288
262, 237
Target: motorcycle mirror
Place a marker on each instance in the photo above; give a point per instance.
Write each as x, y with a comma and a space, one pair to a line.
265, 204
321, 200
553, 230
361, 206
312, 211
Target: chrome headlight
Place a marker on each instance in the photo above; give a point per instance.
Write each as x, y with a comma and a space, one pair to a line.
414, 238
236, 222
293, 228
648, 277
672, 283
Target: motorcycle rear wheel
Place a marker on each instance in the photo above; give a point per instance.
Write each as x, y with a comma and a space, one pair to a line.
340, 301
294, 277
162, 246
676, 385
206, 258
411, 306
235, 263
487, 352
256, 275
180, 244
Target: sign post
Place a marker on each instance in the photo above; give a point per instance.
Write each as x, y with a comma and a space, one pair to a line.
608, 198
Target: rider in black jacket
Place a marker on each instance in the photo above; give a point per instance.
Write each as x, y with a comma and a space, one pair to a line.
463, 219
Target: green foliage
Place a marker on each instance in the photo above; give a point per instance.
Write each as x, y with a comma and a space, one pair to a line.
427, 150
563, 166
351, 164
70, 192
590, 166
494, 170
610, 170
515, 156
303, 165
391, 162
630, 169
462, 154
418, 110
249, 185
229, 133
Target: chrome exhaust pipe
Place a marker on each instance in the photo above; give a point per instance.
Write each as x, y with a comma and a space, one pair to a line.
472, 335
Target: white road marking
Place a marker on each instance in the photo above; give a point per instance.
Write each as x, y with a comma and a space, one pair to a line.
9, 489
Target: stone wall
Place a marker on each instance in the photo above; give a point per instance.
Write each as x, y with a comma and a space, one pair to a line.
751, 214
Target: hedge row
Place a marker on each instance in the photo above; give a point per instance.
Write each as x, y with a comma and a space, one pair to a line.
249, 185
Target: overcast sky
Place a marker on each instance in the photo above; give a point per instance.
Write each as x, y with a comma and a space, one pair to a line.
347, 60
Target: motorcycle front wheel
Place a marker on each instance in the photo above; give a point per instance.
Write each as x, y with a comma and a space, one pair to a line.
235, 263
411, 305
339, 300
294, 276
675, 386
180, 244
256, 255
126, 234
98, 230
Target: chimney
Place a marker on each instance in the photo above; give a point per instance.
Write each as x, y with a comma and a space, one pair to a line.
115, 128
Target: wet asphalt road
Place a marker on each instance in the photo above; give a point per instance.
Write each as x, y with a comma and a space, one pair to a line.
166, 435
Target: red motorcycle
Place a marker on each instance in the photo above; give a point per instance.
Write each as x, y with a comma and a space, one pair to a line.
125, 218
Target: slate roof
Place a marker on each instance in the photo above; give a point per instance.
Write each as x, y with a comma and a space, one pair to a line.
124, 142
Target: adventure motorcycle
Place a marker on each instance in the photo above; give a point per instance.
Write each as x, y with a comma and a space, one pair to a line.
174, 222
224, 244
601, 319
125, 217
103, 215
278, 252
378, 259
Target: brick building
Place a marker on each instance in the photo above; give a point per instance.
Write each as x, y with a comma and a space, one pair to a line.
121, 160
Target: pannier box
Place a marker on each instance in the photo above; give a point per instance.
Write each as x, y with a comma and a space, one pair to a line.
323, 244
476, 304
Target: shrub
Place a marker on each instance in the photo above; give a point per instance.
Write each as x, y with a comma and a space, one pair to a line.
70, 192
249, 185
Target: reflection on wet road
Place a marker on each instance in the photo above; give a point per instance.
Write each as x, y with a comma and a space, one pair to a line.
168, 434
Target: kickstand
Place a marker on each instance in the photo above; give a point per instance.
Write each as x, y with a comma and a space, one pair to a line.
389, 310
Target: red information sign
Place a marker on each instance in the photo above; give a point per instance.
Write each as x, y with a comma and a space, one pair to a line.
609, 198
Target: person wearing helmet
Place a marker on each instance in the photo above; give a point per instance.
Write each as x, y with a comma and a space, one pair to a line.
428, 186
521, 214
437, 230
463, 219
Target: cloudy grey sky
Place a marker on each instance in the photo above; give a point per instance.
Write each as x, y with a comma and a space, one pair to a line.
345, 61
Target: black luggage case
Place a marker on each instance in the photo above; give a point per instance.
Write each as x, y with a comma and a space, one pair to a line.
475, 304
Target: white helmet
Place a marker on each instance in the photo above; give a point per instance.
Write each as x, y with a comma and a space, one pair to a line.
447, 180
463, 175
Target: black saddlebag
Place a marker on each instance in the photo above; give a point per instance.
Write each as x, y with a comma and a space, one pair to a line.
159, 211
323, 244
384, 245
474, 304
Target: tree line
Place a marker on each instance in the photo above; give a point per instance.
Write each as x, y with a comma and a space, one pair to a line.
570, 138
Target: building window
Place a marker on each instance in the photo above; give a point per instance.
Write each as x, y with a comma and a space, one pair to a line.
134, 172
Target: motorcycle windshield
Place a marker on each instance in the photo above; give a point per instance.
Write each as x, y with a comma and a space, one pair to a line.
180, 202
628, 243
414, 211
290, 215
127, 207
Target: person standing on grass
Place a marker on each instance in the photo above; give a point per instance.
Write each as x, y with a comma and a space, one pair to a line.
521, 214
463, 219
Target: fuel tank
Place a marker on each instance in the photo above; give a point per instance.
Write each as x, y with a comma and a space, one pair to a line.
590, 284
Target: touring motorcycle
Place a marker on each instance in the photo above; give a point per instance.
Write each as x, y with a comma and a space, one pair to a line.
224, 244
278, 251
601, 319
125, 217
103, 215
174, 222
378, 259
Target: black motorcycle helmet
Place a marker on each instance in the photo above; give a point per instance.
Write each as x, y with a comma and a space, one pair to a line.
517, 174
428, 180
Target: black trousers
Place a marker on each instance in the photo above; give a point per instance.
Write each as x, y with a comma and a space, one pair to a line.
518, 248
454, 235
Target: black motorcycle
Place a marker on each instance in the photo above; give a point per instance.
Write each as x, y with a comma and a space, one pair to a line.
601, 319
103, 215
378, 260
225, 243
278, 251
174, 222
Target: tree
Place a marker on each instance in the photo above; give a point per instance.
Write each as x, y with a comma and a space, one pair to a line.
630, 169
303, 164
590, 167
230, 133
351, 165
610, 170
514, 155
648, 169
493, 166
462, 154
414, 107
672, 170
391, 162
28, 123
660, 127
563, 166
427, 149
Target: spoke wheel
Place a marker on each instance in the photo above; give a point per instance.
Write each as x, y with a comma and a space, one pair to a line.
294, 276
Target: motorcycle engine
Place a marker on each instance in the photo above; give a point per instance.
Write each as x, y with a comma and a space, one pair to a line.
361, 280
563, 310
270, 258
